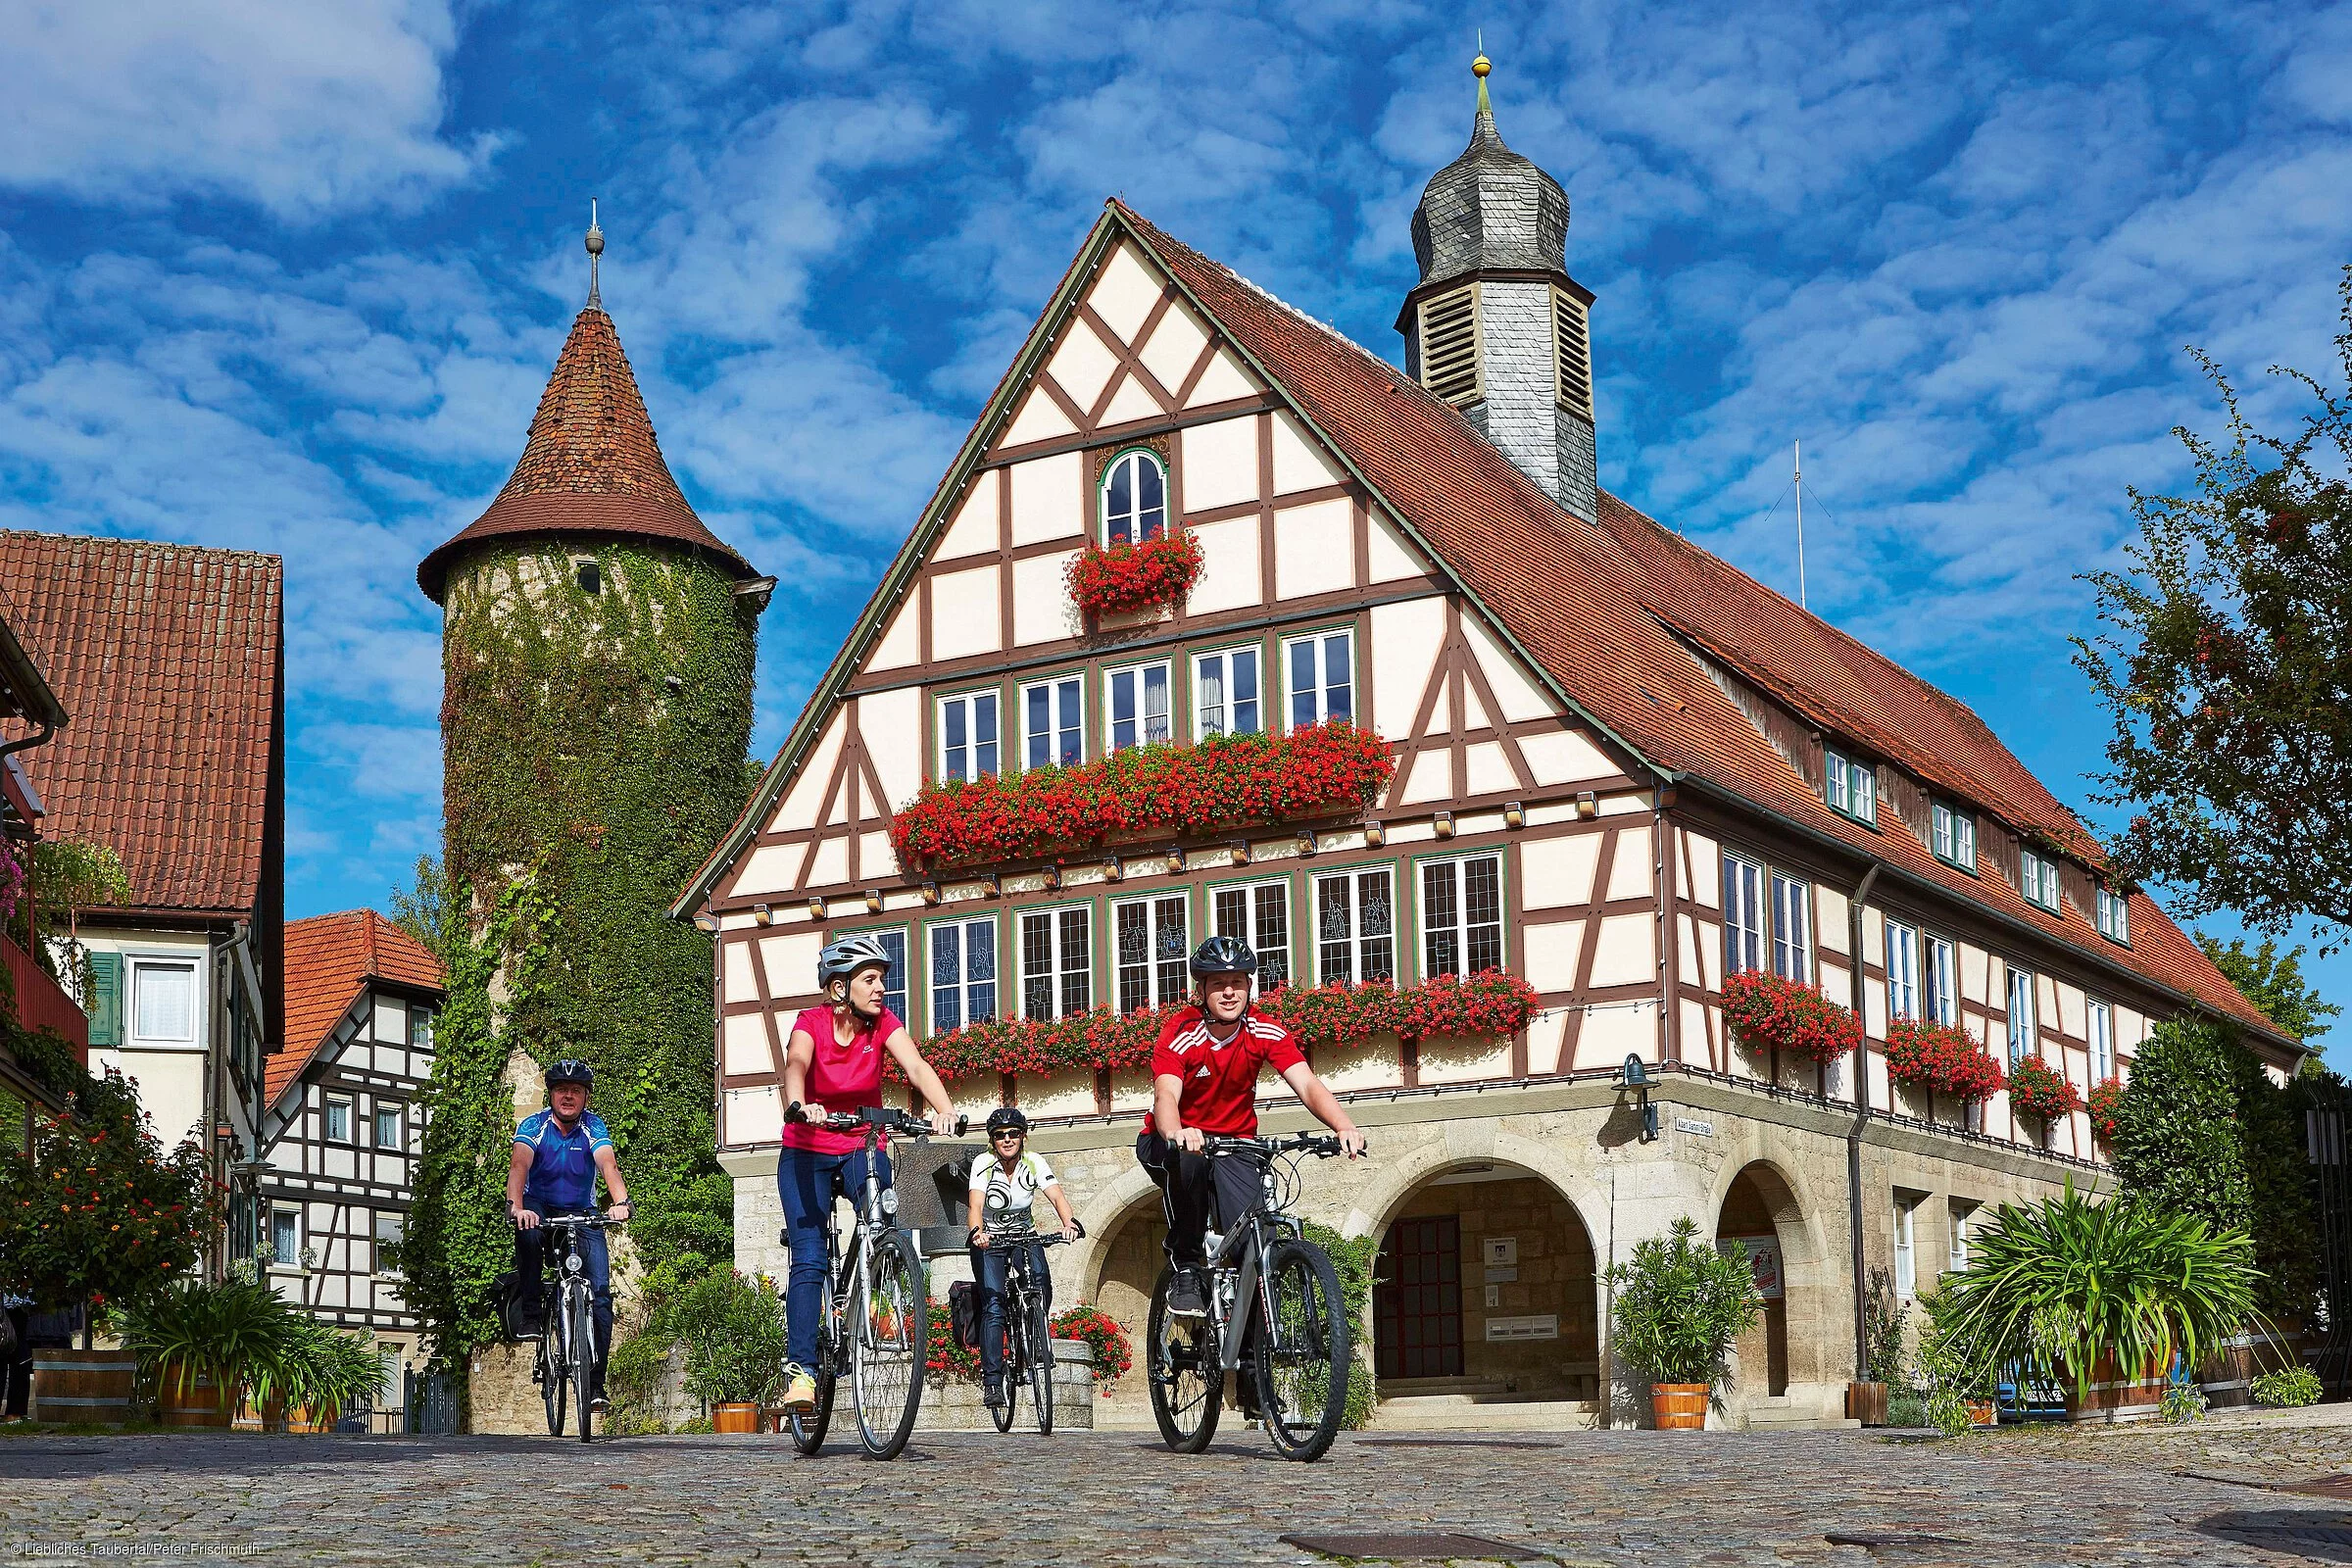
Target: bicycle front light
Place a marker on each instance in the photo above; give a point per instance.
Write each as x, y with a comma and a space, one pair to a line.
572, 1264
890, 1200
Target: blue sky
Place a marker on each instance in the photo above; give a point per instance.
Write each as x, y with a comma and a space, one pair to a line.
289, 276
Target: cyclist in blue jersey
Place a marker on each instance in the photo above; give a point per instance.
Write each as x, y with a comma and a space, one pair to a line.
559, 1154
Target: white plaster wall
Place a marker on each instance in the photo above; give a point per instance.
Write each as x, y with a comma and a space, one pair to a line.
1554, 873
1230, 579
1405, 639
966, 615
1314, 549
1220, 464
1563, 756
806, 794
973, 532
1047, 499
891, 723
1300, 463
1174, 347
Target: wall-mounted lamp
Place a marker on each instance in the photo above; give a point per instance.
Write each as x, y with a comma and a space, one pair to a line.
873, 901
1113, 868
1053, 875
762, 915
1376, 834
1634, 1075
1308, 842
706, 920
1588, 805
1241, 851
1442, 821
1176, 860
930, 893
1513, 814
817, 907
994, 884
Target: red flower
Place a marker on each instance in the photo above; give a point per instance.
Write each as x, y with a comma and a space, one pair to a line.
1942, 1058
1131, 576
2038, 1089
1767, 1012
2105, 1098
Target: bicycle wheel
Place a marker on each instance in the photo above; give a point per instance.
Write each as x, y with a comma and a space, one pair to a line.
1009, 1374
807, 1429
1302, 1360
1040, 1335
583, 1353
1186, 1382
551, 1374
890, 1323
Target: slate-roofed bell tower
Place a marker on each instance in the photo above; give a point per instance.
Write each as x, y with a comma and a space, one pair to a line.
1497, 327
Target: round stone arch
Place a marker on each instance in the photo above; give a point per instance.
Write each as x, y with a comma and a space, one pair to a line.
1471, 1143
1789, 1348
1104, 1213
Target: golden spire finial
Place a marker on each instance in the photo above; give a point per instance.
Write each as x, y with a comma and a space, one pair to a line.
1478, 68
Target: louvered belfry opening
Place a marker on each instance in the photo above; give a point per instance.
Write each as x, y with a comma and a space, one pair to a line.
1573, 350
1449, 346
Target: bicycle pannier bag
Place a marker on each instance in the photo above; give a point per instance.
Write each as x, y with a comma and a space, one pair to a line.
963, 1313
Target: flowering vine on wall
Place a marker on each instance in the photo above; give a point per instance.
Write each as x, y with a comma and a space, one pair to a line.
1768, 1012
1941, 1058
1225, 781
1107, 580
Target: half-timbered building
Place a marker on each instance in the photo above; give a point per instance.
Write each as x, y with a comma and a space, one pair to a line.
1622, 768
342, 1127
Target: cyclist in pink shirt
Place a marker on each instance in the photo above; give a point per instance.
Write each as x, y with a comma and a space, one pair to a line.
833, 1065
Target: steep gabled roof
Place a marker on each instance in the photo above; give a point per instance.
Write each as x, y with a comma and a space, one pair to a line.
591, 467
329, 959
168, 658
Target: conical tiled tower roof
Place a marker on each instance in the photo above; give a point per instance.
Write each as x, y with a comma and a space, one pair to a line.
591, 469
1490, 209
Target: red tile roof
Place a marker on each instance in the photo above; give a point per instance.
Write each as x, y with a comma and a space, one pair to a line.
329, 958
170, 658
591, 467
1600, 606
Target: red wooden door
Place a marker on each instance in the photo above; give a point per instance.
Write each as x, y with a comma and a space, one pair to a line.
1417, 1306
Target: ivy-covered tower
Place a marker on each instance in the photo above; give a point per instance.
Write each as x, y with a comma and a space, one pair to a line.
597, 661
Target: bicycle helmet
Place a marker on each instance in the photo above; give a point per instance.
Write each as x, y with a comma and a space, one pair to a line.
571, 1070
842, 958
1006, 1117
1224, 956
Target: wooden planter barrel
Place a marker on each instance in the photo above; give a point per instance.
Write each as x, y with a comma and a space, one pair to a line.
82, 1386
2114, 1397
196, 1405
740, 1419
1866, 1403
1679, 1407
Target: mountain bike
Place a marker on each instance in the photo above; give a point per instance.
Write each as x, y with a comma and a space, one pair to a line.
875, 1323
567, 1342
1028, 1332
1274, 1316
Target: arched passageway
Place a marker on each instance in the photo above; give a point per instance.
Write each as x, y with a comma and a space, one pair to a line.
1761, 1216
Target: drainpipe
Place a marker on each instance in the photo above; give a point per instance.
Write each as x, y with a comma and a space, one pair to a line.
1853, 1137
25, 743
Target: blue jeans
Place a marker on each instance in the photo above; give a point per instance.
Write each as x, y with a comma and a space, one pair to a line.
807, 1183
532, 1245
989, 1266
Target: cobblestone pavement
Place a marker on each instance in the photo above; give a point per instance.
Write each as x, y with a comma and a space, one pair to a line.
1117, 1497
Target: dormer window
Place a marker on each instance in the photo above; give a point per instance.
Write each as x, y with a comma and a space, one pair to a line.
2038, 880
1134, 498
1851, 787
2115, 916
1952, 835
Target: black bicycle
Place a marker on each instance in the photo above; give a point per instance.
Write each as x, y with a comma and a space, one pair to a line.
875, 1325
568, 1342
1274, 1303
1028, 1331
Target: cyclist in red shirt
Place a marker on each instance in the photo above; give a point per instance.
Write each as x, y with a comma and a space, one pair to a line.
1205, 1071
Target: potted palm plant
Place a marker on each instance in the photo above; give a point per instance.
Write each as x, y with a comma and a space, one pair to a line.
1679, 1304
733, 1331
209, 1348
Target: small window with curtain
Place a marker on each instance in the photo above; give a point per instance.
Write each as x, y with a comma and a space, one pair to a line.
1940, 981
162, 1001
420, 1028
1153, 950
286, 1235
2025, 1039
1057, 961
968, 735
1850, 786
1791, 928
1742, 916
1322, 678
964, 972
338, 1119
1907, 1237
1260, 915
387, 1127
1461, 915
1054, 722
1902, 970
2115, 916
1134, 704
1355, 927
1225, 693
1952, 835
1134, 498
1964, 1216
2038, 880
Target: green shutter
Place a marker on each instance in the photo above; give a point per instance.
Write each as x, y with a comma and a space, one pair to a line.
106, 999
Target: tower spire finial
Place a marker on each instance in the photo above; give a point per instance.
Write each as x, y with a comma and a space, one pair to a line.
1479, 69
596, 248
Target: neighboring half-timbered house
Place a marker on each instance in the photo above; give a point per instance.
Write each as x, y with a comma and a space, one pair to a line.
343, 1124
1621, 768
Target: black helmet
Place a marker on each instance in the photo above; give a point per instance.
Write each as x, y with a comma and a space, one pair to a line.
571, 1070
1224, 956
1006, 1117
842, 958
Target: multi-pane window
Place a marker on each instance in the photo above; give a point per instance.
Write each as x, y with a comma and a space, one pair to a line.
1259, 915
389, 1227
1461, 915
1742, 916
2023, 1040
1322, 678
1225, 693
1153, 945
1135, 499
1939, 976
1902, 970
1137, 701
2100, 1024
1906, 1256
2038, 879
420, 1028
1791, 928
338, 1119
1355, 927
286, 1235
1850, 786
1054, 722
1963, 1215
1057, 961
894, 979
968, 735
2115, 917
1952, 835
163, 997
964, 972
387, 1127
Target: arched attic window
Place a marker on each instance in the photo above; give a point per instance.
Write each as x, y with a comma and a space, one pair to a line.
1134, 498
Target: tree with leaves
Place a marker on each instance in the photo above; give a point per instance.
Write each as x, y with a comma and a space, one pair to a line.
2227, 668
2274, 982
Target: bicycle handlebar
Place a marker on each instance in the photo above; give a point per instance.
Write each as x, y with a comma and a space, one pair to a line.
882, 1116
1323, 1146
582, 1222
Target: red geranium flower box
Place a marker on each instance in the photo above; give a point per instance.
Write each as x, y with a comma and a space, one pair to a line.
1942, 1060
2038, 1089
2105, 1097
1767, 1012
1106, 580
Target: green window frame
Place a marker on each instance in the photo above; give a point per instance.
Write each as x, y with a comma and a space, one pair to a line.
1131, 499
1059, 740
1259, 910
1054, 952
2038, 880
1151, 949
1952, 835
1462, 915
969, 726
1318, 675
1850, 786
1358, 922
1229, 690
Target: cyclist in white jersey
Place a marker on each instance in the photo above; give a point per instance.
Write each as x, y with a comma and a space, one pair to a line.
1004, 1183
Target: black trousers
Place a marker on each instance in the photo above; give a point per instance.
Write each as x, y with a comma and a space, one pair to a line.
1194, 1190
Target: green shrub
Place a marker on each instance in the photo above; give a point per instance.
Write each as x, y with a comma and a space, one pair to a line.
633, 1374
1906, 1410
2182, 1403
1885, 1315
2289, 1389
1679, 1304
1354, 1257
1955, 1368
733, 1331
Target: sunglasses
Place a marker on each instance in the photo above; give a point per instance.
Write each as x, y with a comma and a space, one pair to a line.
1008, 1132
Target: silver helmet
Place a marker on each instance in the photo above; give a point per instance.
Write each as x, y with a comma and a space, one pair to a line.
842, 958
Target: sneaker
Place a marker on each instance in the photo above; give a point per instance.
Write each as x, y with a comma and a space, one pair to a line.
992, 1393
1186, 1297
800, 1391
598, 1404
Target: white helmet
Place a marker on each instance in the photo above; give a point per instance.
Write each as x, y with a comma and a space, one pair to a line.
842, 958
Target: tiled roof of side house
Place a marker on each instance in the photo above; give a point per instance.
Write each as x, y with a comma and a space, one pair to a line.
592, 466
329, 959
1598, 608
167, 656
